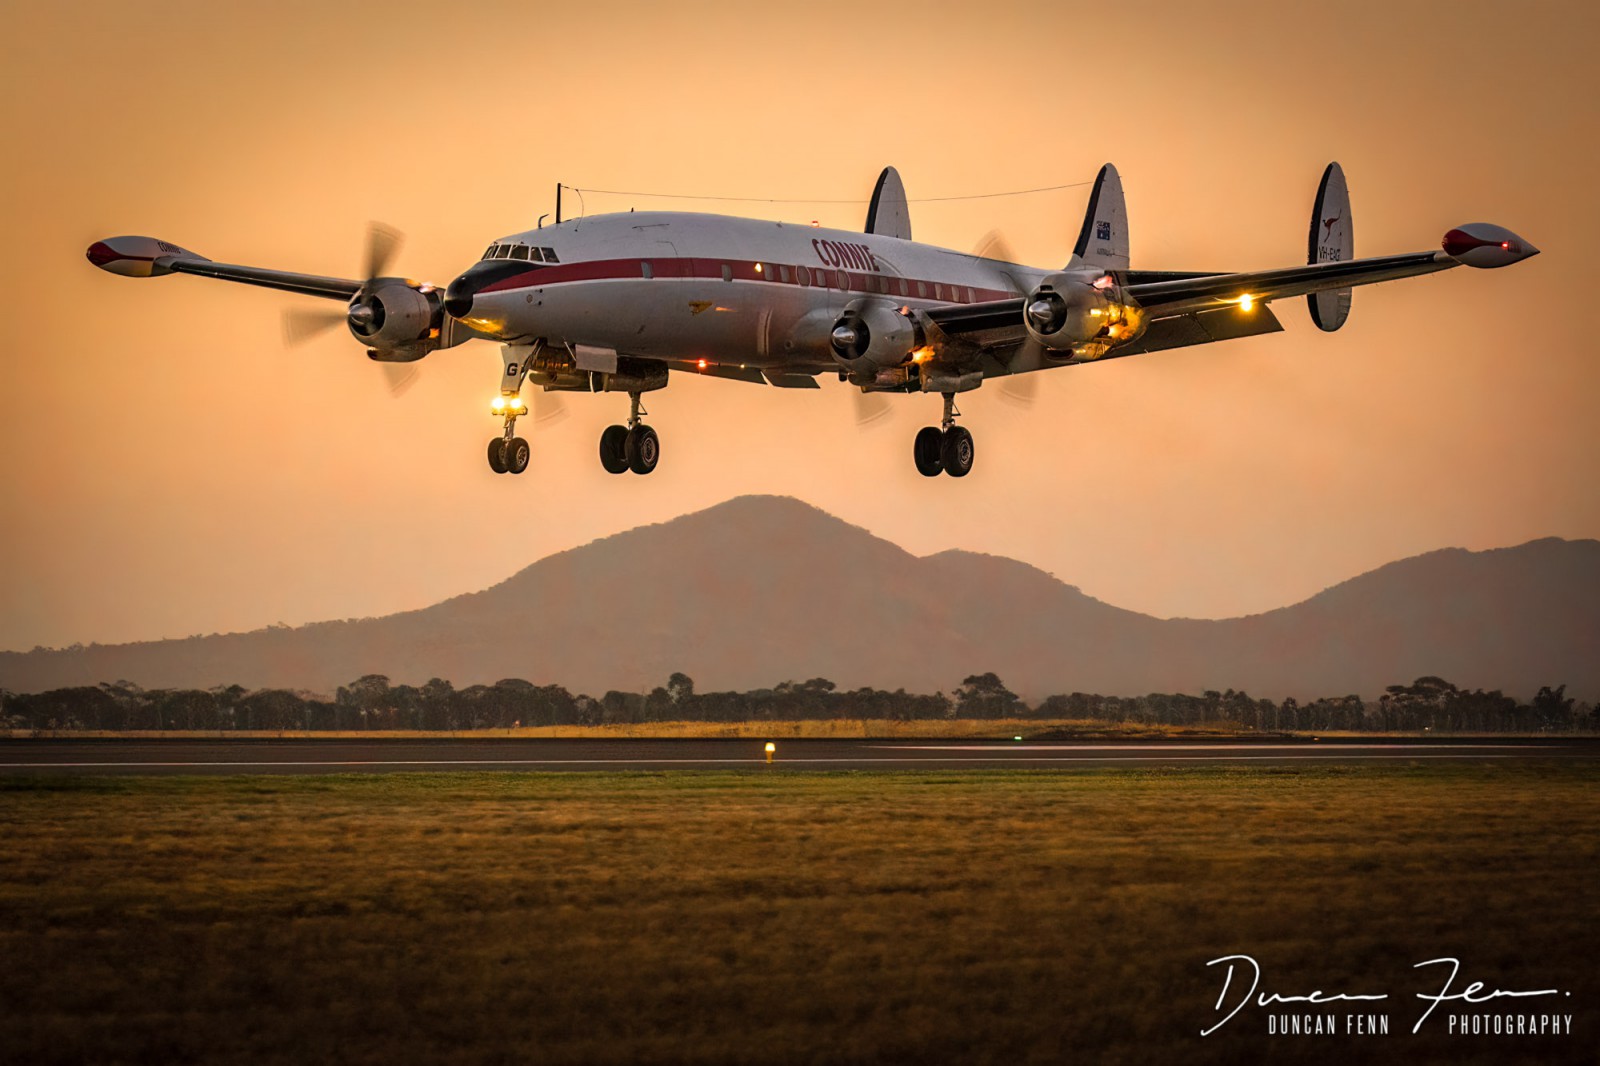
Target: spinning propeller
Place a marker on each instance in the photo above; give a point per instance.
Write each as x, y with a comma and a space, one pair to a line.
366, 314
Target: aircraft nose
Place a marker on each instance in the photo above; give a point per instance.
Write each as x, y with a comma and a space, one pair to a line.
458, 296
461, 293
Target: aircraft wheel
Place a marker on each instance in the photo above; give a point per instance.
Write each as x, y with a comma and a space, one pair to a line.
643, 449
926, 451
497, 455
956, 453
517, 455
613, 449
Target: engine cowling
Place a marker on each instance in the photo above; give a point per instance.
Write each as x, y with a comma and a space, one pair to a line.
873, 337
396, 321
1065, 311
1081, 316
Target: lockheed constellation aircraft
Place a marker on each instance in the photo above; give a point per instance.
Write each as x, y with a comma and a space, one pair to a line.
617, 302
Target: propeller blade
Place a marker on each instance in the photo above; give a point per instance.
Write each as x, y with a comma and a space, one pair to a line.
301, 325
1020, 390
382, 243
548, 407
401, 376
993, 245
871, 407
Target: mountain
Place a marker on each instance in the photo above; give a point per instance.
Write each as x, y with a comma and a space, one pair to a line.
762, 589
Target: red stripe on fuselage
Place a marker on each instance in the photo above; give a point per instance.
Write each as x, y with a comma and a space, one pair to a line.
741, 270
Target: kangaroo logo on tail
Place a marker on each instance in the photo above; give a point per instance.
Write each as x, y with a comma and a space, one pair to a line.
1327, 226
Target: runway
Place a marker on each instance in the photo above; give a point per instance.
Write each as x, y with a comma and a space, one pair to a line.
339, 756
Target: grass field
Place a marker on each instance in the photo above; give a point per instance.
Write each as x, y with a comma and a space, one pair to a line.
745, 917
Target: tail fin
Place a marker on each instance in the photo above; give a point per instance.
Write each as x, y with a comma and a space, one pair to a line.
1332, 241
1103, 241
888, 213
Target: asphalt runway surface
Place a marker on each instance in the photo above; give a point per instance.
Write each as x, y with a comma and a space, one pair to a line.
341, 756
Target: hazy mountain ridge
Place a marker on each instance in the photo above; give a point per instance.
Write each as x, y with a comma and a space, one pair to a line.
761, 589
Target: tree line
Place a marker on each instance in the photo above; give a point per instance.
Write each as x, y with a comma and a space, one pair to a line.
374, 702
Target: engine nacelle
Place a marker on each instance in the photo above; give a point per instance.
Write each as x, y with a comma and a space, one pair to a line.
397, 322
1081, 315
1065, 311
872, 337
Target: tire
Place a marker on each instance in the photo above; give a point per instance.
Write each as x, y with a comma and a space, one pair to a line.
957, 452
497, 455
925, 450
613, 449
517, 455
643, 449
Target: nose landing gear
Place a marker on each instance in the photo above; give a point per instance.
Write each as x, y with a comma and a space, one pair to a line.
633, 447
946, 448
509, 453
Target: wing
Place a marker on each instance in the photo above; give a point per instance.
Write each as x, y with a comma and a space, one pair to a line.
1195, 308
147, 257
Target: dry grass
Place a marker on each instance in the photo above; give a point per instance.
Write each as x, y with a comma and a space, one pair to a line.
775, 917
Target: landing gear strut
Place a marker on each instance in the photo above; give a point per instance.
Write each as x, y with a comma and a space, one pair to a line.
634, 446
946, 448
509, 453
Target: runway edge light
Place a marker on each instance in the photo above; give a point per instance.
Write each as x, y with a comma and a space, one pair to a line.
771, 750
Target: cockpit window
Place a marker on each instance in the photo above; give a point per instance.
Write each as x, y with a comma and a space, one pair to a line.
534, 254
504, 252
519, 252
550, 256
488, 253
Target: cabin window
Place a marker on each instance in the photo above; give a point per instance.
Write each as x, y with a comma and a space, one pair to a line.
535, 255
804, 276
644, 269
844, 281
786, 275
819, 277
972, 297
922, 290
727, 272
550, 255
938, 291
905, 289
519, 252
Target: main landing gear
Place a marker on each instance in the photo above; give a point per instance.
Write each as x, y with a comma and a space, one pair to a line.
634, 446
945, 448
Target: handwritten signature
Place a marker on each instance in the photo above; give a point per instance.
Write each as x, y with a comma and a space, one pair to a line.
1476, 992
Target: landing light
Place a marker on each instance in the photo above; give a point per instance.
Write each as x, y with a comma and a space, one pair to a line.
1247, 302
499, 403
702, 364
758, 268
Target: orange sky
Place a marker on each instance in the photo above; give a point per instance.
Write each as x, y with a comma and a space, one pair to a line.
173, 469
